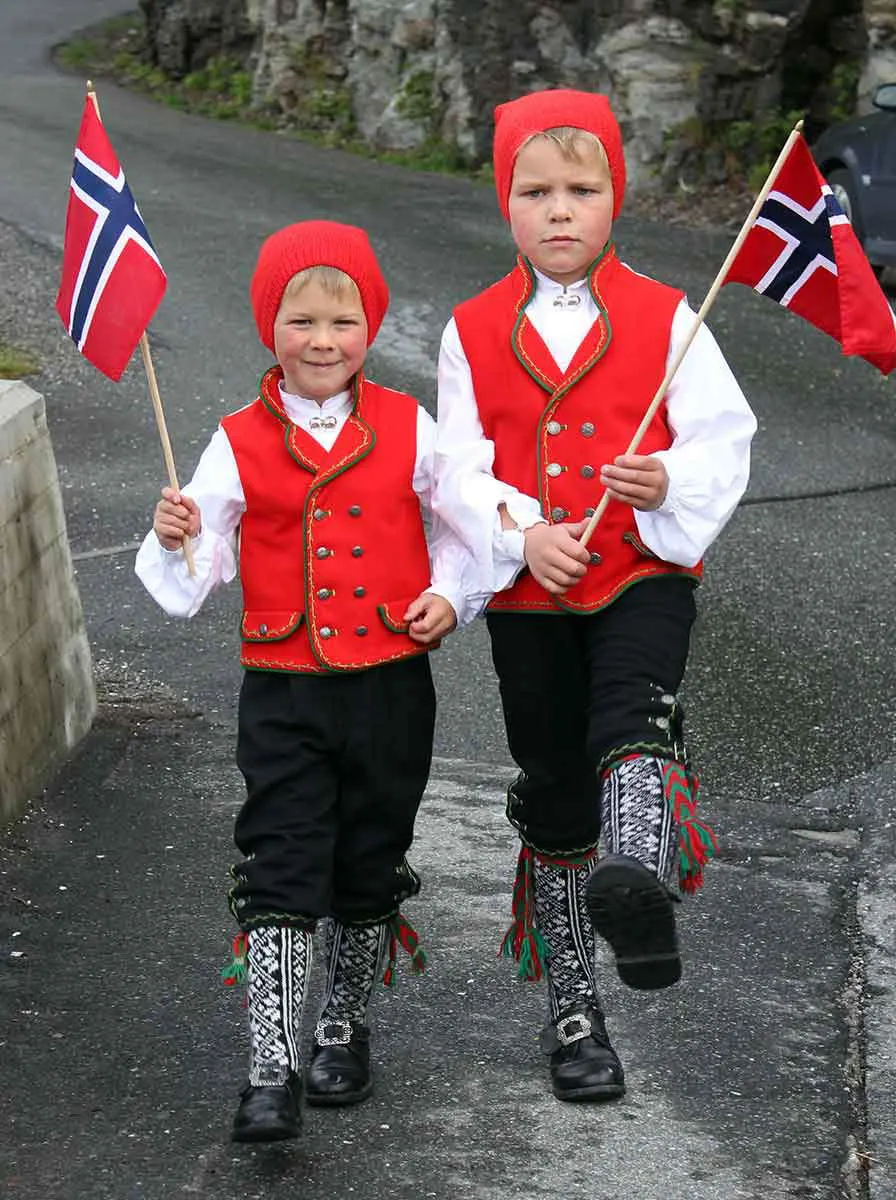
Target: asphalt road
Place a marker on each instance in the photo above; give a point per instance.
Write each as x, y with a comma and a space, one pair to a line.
757, 1076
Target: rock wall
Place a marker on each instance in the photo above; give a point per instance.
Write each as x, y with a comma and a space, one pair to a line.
879, 65
403, 74
47, 699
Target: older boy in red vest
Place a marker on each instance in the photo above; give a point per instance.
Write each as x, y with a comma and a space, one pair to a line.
323, 477
543, 379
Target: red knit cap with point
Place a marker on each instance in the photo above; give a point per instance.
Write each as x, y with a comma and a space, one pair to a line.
539, 111
316, 244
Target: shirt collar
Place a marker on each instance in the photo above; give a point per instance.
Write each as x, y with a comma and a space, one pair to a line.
551, 285
300, 408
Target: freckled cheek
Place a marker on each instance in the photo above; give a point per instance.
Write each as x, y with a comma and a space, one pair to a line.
355, 349
290, 345
523, 229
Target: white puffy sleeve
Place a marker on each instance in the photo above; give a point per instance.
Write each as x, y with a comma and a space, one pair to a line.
708, 462
217, 489
455, 573
467, 493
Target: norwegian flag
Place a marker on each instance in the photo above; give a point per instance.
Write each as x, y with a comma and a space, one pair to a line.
802, 252
112, 280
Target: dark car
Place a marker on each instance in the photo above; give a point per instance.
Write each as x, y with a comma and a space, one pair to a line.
858, 159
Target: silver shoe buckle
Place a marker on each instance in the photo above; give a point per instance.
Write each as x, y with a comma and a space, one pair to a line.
572, 1029
324, 1037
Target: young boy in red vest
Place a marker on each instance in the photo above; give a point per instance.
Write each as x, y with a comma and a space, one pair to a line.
322, 477
543, 380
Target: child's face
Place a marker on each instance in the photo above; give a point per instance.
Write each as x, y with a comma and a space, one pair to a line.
561, 209
320, 341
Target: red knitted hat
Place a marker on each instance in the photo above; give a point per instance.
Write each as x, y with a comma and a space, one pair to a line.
316, 244
539, 111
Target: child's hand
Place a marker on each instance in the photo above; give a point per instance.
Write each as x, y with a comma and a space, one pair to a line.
636, 479
430, 617
176, 517
554, 556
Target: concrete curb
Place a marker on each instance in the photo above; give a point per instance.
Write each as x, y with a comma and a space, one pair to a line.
47, 697
877, 914
869, 1172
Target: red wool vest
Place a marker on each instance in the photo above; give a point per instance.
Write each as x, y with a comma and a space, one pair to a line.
332, 548
553, 432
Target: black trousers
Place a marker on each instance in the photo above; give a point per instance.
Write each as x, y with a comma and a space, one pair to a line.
578, 691
335, 768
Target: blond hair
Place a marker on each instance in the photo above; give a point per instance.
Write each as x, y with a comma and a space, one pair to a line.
333, 281
572, 142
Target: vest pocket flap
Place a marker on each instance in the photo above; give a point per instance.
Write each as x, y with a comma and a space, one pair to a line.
634, 540
269, 625
391, 613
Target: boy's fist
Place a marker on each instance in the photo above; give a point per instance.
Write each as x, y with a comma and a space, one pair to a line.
554, 555
176, 517
429, 618
636, 479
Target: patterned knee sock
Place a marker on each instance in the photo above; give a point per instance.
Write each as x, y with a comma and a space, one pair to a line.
279, 963
566, 928
636, 817
353, 958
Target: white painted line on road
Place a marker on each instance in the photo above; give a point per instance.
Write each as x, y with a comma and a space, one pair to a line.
107, 552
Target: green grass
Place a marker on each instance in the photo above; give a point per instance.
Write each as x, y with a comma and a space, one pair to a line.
16, 363
93, 50
116, 49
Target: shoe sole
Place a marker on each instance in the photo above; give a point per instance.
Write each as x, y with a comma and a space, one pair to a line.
338, 1099
595, 1094
277, 1134
631, 910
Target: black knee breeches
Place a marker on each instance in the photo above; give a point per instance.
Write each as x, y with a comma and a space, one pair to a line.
335, 768
579, 692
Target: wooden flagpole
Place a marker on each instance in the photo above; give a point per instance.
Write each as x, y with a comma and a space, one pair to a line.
156, 398
698, 321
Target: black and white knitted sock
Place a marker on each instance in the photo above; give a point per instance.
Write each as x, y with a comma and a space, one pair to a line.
636, 817
354, 954
564, 924
279, 963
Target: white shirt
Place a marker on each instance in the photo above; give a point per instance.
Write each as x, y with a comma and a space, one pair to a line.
217, 489
708, 463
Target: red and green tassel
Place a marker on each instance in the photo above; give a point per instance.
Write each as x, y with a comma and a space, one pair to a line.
523, 941
696, 841
402, 933
236, 970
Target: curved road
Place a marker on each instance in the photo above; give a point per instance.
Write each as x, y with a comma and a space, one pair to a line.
750, 1080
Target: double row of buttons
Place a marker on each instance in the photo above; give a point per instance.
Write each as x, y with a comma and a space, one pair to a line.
586, 429
326, 631
325, 593
560, 514
321, 514
555, 469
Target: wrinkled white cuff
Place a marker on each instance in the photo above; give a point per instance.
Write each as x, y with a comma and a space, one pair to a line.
455, 597
524, 511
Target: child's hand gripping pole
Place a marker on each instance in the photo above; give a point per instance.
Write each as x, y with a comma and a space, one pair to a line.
698, 320
166, 442
156, 398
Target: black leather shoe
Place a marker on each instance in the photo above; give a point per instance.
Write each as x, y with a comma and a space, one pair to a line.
584, 1066
268, 1114
635, 912
339, 1071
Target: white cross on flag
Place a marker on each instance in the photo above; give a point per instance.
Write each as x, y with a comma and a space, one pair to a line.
112, 280
802, 252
